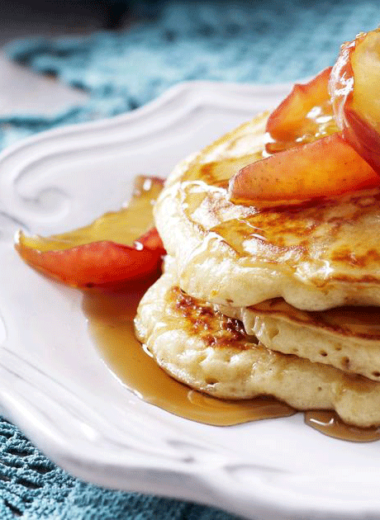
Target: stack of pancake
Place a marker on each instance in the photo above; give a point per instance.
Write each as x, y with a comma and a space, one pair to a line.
278, 300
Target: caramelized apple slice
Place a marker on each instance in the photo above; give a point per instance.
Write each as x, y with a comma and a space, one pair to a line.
304, 115
108, 251
94, 264
354, 89
323, 168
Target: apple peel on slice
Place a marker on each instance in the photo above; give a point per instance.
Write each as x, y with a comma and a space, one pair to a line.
94, 264
354, 90
325, 167
112, 251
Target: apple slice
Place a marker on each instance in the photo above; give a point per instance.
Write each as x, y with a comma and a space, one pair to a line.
116, 248
304, 115
323, 168
99, 264
354, 89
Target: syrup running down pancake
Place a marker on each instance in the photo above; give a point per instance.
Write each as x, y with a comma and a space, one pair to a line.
201, 347
316, 255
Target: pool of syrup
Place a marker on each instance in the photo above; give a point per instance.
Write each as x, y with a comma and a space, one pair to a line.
110, 319
330, 424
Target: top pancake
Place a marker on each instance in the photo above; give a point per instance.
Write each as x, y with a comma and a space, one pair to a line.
316, 255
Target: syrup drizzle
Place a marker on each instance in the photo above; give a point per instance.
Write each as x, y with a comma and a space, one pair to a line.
329, 423
110, 318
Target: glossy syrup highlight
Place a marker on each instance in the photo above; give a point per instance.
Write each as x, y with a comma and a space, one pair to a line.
329, 423
110, 318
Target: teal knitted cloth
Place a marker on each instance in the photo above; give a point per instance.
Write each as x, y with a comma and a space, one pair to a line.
169, 42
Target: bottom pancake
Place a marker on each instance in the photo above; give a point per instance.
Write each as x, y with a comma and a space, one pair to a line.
210, 352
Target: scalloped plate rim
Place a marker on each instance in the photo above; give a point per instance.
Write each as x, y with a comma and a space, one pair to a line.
83, 465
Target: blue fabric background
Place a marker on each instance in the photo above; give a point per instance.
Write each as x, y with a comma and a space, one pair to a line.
167, 42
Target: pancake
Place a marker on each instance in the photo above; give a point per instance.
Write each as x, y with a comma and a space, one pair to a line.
317, 255
206, 350
347, 338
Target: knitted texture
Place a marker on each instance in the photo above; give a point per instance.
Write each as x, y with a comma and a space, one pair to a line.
33, 488
168, 42
217, 40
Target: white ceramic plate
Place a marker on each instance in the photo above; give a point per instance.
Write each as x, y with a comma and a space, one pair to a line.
54, 385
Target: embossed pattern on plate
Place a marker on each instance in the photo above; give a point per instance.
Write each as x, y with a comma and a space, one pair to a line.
53, 383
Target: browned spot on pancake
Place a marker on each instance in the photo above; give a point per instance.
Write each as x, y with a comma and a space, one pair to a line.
318, 231
350, 257
268, 240
364, 279
201, 320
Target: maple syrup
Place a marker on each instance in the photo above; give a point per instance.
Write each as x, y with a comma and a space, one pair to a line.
110, 317
329, 423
